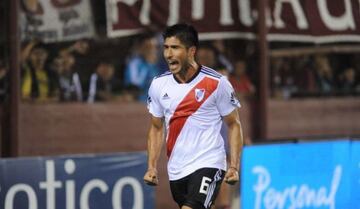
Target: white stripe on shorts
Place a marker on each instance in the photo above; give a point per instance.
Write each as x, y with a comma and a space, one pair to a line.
211, 190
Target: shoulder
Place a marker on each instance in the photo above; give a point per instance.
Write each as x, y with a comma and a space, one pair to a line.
163, 76
160, 81
211, 73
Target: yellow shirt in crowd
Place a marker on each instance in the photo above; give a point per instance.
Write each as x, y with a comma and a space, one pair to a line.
42, 78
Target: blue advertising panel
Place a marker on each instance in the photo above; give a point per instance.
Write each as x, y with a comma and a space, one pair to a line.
355, 172
314, 175
111, 181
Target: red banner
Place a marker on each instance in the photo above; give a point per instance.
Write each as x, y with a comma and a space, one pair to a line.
317, 21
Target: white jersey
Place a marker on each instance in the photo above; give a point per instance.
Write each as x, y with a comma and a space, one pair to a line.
192, 113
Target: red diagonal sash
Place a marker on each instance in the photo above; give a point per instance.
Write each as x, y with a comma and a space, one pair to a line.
186, 108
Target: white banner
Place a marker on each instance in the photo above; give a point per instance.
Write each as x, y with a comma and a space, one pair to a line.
56, 20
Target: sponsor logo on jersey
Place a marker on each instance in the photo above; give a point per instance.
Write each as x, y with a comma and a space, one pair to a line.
166, 96
199, 94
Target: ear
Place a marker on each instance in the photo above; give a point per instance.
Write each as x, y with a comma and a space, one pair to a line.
192, 51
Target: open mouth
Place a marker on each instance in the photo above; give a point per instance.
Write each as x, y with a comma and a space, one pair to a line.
173, 64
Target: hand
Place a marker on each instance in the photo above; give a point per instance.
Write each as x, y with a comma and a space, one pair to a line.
231, 176
81, 47
151, 178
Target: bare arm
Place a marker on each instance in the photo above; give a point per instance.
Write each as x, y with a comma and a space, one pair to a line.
155, 142
25, 52
235, 138
79, 46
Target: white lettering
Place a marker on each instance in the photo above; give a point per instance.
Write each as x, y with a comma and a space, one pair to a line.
113, 9
70, 194
9, 199
138, 193
144, 16
225, 13
344, 22
294, 197
145, 12
70, 184
262, 183
197, 9
298, 11
50, 185
89, 186
204, 185
268, 18
174, 7
245, 12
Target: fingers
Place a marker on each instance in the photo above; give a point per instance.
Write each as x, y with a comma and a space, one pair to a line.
150, 183
151, 178
231, 181
231, 177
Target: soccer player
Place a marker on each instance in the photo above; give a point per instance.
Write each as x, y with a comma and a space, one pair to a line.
192, 101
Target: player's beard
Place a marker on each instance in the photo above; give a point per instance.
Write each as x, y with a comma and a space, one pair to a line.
181, 67
185, 65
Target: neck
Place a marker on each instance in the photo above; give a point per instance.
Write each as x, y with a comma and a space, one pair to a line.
185, 75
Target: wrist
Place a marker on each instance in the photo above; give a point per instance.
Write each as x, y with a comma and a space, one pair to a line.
233, 168
152, 169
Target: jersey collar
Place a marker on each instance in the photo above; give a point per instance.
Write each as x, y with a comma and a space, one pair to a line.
192, 78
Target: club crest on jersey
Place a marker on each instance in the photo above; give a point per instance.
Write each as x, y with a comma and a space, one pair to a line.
199, 94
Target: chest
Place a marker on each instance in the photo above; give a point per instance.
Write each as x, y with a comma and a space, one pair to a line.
187, 99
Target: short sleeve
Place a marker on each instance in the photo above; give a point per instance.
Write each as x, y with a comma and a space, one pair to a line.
153, 103
226, 100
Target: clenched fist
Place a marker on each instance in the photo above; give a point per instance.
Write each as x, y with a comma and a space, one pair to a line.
231, 176
151, 178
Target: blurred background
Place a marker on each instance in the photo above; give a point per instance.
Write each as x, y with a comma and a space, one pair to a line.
74, 74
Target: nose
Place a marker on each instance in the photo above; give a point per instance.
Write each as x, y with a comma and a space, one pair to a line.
168, 53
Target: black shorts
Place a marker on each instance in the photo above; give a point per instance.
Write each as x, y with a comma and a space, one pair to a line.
199, 189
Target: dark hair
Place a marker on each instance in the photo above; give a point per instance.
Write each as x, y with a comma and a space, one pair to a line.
186, 33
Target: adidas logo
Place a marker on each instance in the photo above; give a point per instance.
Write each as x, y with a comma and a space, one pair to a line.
166, 96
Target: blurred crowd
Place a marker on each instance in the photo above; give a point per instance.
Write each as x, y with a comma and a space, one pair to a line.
85, 71
82, 71
316, 75
94, 71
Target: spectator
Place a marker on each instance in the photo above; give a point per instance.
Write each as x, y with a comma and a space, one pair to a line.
69, 81
80, 47
324, 75
283, 78
206, 55
83, 64
305, 76
38, 82
141, 67
348, 82
102, 83
221, 55
241, 81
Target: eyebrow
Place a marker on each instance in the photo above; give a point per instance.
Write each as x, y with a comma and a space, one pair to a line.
172, 45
